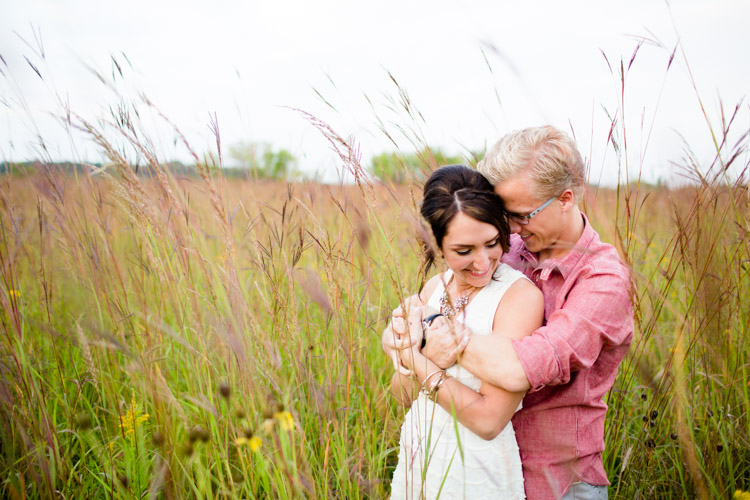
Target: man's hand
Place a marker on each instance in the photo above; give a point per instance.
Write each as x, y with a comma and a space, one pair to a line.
400, 334
446, 340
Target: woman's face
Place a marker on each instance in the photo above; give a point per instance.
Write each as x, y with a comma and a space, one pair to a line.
472, 250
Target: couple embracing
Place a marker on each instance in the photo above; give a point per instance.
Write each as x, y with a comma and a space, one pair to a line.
505, 357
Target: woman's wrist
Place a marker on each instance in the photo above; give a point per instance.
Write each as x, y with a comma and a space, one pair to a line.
410, 357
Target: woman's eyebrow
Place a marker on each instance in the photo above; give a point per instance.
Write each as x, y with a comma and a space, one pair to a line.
466, 245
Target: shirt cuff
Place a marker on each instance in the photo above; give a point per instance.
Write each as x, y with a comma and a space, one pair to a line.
538, 360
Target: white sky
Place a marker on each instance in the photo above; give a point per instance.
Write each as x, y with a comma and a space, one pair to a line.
249, 62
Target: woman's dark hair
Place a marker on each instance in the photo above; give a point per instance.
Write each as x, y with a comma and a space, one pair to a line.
457, 189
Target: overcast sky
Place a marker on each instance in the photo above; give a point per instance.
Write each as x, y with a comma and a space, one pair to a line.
474, 70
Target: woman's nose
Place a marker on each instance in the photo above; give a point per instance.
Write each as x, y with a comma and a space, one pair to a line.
481, 260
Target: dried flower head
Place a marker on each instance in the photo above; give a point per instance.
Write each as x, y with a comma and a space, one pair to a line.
124, 481
157, 438
198, 432
83, 421
225, 390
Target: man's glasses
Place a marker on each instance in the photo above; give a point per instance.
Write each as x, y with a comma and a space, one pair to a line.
524, 219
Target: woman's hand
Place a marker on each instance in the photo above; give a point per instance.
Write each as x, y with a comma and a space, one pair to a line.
403, 332
446, 340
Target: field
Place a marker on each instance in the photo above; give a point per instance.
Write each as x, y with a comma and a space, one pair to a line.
211, 338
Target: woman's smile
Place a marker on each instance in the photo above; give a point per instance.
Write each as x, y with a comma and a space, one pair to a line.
472, 251
478, 273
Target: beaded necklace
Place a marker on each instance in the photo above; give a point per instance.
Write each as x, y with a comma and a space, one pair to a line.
449, 310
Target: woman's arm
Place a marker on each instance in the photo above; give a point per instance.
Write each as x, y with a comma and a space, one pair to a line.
404, 388
397, 334
487, 412
492, 357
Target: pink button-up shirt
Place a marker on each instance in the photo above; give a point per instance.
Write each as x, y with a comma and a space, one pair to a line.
571, 362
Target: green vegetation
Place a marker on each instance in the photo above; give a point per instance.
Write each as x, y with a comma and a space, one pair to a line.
153, 343
399, 168
262, 161
200, 336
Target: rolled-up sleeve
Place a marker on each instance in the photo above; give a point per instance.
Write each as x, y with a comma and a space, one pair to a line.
593, 312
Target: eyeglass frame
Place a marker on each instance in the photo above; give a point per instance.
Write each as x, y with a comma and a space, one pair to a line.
524, 219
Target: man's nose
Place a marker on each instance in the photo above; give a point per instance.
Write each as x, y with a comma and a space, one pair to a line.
515, 227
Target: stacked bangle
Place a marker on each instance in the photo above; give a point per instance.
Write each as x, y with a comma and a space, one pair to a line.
431, 390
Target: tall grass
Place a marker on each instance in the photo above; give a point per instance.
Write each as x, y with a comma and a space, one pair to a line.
221, 311
173, 337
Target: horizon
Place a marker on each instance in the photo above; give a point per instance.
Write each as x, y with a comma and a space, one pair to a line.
249, 79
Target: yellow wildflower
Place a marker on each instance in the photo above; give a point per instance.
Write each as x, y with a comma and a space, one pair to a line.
132, 418
15, 293
255, 442
741, 495
286, 421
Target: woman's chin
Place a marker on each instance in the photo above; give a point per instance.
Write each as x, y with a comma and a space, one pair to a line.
477, 281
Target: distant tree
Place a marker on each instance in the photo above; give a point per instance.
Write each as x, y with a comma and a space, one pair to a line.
398, 168
394, 167
262, 160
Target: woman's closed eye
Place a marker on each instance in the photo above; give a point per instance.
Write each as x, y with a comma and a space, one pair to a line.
491, 244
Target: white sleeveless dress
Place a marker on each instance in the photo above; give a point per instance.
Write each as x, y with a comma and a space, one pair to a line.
457, 463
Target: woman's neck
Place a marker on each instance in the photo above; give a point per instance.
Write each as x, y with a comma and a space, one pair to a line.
457, 290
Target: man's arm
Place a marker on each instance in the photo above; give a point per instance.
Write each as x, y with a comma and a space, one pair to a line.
491, 357
485, 412
597, 315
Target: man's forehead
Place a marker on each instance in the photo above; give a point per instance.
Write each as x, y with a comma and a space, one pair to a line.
515, 193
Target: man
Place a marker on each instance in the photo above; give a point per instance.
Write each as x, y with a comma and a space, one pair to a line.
570, 363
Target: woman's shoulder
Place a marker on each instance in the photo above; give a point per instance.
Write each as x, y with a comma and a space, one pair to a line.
433, 284
517, 283
524, 289
505, 272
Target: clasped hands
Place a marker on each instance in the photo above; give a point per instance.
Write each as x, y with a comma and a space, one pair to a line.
402, 338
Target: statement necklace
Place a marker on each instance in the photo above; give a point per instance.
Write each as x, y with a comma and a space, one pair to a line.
449, 310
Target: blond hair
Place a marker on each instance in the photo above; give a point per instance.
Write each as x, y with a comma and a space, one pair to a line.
548, 153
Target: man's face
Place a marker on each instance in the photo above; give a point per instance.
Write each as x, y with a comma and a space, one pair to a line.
542, 231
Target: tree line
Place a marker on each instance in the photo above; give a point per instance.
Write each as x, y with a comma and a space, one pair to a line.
261, 161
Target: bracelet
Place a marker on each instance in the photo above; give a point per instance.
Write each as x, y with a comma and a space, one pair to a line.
425, 323
436, 385
424, 389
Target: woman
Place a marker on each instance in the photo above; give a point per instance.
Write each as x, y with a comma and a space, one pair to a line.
457, 440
